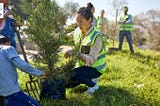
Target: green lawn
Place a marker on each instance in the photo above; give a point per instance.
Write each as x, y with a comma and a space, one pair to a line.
130, 80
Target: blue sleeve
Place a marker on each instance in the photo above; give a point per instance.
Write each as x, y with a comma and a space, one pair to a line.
25, 67
129, 21
10, 52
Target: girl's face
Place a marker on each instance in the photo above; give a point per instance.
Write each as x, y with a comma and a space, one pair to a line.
83, 23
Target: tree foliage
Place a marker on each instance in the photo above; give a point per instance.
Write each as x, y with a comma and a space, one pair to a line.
147, 29
45, 22
70, 8
45, 28
18, 12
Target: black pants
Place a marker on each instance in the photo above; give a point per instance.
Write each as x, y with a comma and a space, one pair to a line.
84, 74
2, 101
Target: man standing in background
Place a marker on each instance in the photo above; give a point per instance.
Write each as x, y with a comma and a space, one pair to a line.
125, 28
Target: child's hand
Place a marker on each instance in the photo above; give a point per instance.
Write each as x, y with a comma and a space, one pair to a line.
43, 75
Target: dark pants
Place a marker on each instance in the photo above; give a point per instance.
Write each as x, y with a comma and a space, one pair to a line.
84, 75
2, 101
21, 99
129, 39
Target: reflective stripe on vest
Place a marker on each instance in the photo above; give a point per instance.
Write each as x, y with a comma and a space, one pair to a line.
125, 26
99, 22
89, 40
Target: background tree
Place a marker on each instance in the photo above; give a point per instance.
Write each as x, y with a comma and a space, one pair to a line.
16, 9
70, 8
117, 7
147, 29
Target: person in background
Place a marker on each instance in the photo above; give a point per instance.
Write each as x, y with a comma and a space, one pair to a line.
7, 12
92, 8
90, 49
102, 23
7, 23
125, 29
10, 92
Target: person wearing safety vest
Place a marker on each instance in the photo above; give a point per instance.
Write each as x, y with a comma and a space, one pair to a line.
90, 46
125, 28
102, 23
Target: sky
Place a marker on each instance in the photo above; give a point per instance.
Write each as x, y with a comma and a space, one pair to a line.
135, 6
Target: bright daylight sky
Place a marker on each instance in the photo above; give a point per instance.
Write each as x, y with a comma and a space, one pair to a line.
135, 6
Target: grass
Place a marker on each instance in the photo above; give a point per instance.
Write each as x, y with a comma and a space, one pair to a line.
130, 80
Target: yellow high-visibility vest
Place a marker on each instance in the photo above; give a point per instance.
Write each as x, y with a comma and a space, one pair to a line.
99, 22
126, 26
89, 40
